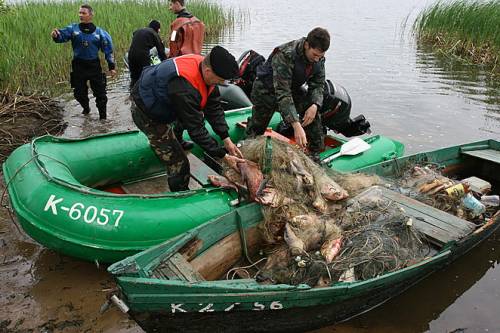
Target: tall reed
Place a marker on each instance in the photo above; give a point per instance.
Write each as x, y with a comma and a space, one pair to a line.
469, 29
29, 59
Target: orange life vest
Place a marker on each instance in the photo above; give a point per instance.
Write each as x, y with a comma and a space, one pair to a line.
186, 37
188, 67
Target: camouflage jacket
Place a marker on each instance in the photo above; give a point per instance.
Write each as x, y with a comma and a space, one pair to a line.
289, 69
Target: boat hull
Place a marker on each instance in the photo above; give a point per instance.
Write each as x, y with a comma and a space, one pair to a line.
53, 184
243, 305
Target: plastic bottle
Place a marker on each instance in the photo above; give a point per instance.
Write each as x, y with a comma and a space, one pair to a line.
458, 190
491, 200
473, 205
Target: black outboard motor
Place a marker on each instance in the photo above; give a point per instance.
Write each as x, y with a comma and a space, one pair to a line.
336, 111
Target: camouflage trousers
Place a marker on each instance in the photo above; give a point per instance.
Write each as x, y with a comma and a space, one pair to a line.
265, 104
162, 139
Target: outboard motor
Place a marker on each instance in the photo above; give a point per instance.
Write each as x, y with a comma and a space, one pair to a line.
336, 111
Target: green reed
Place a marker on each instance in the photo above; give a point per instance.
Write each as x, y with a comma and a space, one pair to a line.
31, 61
469, 29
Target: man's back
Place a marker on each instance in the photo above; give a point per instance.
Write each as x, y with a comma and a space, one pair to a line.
187, 35
144, 40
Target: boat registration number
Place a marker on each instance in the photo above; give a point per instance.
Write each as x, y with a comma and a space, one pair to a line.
86, 213
210, 307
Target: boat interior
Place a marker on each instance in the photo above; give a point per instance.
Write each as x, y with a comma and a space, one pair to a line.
200, 169
211, 257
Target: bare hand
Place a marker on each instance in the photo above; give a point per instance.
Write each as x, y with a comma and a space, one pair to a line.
233, 161
299, 134
231, 148
112, 72
310, 115
55, 33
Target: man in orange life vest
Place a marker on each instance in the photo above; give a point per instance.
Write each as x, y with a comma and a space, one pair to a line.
186, 31
184, 89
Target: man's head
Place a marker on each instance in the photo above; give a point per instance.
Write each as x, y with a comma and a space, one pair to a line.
86, 13
316, 44
155, 25
219, 65
176, 6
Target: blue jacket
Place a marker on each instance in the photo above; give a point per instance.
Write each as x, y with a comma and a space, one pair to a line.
86, 46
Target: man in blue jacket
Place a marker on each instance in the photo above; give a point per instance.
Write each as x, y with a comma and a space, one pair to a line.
86, 40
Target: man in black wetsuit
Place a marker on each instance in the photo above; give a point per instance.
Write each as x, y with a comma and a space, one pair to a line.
144, 40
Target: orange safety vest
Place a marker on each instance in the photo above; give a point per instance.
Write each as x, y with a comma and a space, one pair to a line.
187, 35
188, 67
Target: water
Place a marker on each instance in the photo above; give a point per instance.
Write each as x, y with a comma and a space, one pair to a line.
405, 91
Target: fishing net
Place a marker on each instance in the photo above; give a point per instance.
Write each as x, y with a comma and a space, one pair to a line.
312, 235
377, 237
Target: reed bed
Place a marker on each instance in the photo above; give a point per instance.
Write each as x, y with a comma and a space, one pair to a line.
467, 29
29, 59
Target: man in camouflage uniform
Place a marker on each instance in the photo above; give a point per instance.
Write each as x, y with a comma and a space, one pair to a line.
278, 87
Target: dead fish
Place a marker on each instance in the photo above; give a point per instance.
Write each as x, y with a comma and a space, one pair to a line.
309, 229
221, 181
298, 169
320, 204
330, 190
251, 176
330, 249
295, 244
271, 197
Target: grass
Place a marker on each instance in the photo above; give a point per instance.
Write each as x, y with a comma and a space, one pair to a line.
31, 61
468, 29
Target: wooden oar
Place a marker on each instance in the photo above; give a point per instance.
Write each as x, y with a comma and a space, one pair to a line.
353, 147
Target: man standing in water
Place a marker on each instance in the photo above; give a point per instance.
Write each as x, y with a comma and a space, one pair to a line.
86, 40
144, 40
278, 87
184, 89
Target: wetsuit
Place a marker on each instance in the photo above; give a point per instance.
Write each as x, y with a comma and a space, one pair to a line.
143, 40
86, 40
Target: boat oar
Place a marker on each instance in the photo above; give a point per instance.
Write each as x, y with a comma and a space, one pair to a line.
352, 147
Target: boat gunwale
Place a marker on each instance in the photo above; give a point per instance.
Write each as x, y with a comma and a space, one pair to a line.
89, 190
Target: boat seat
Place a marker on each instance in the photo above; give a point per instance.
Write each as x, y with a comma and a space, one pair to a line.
176, 267
491, 155
200, 170
439, 227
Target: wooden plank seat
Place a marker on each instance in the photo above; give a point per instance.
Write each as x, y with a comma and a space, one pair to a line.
176, 267
200, 170
440, 227
491, 155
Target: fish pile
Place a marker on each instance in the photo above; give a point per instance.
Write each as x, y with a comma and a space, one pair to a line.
312, 233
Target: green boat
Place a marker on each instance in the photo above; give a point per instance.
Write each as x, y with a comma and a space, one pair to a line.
180, 285
103, 198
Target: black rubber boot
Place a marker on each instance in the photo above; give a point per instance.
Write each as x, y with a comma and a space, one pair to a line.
102, 114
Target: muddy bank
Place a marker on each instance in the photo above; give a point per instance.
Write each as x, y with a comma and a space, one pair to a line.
23, 117
41, 290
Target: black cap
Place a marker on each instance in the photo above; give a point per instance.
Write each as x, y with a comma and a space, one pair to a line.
155, 25
223, 63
